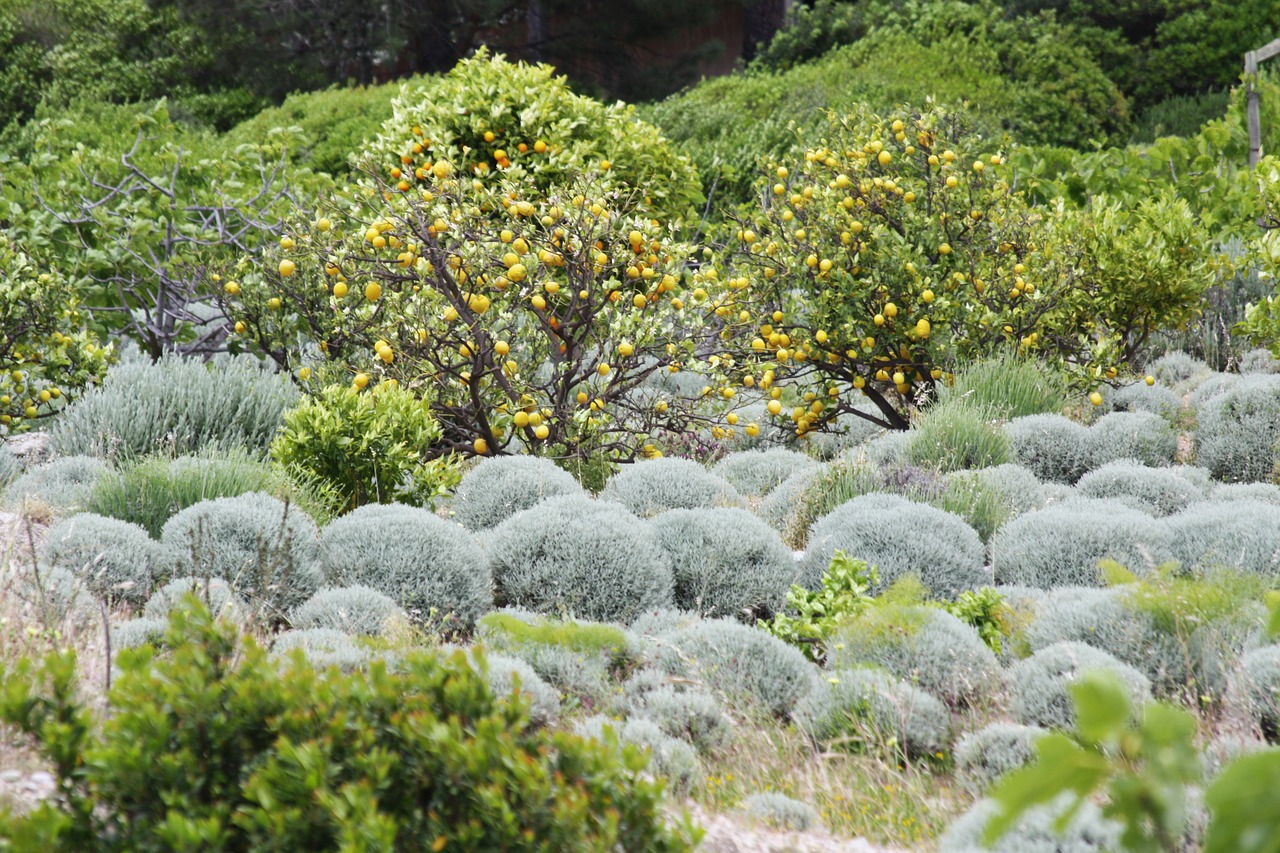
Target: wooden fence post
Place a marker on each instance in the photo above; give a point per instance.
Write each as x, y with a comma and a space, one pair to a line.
1252, 96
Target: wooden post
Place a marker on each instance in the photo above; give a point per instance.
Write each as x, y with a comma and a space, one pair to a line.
1252, 96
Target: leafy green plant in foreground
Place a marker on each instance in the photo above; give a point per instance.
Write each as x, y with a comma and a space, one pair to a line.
817, 614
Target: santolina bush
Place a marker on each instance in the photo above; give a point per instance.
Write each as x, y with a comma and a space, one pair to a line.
322, 647
758, 472
116, 560
508, 675
1143, 436
873, 709
669, 757
680, 709
65, 484
1038, 686
351, 609
1052, 447
1237, 432
983, 756
214, 593
498, 488
1036, 831
1175, 367
1242, 535
778, 811
1141, 397
1159, 491
648, 488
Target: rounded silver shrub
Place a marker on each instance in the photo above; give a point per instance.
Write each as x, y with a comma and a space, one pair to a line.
138, 632
900, 538
680, 709
351, 609
266, 550
1261, 492
1035, 832
1159, 491
782, 508
669, 757
322, 648
655, 486
116, 560
1242, 535
1143, 436
1038, 686
758, 472
432, 568
65, 484
985, 755
1255, 690
53, 594
1052, 447
1237, 432
726, 562
1062, 544
1141, 397
778, 811
216, 594
506, 674
499, 487
1176, 367
576, 556
873, 708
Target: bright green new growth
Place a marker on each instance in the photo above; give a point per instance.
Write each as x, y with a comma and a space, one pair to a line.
321, 647
1008, 388
983, 756
1040, 685
1237, 431
574, 556
758, 472
1160, 491
1143, 436
66, 484
655, 486
352, 609
900, 538
1053, 447
726, 562
957, 434
176, 406
432, 568
114, 559
267, 550
868, 709
499, 487
778, 811
370, 446
814, 614
512, 629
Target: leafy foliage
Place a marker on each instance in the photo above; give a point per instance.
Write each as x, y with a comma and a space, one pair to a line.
813, 615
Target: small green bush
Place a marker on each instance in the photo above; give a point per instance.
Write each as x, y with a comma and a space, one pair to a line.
955, 435
1038, 685
267, 550
740, 663
432, 568
812, 616
1053, 447
1143, 436
571, 555
778, 811
214, 594
867, 709
499, 487
116, 560
1037, 831
65, 484
1159, 491
1242, 535
726, 562
758, 472
351, 609
983, 756
679, 709
322, 647
1008, 388
900, 538
1237, 432
176, 406
648, 488
1140, 397
262, 755
1062, 544
1174, 368
670, 758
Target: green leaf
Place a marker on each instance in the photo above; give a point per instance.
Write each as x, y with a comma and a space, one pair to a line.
1102, 707
1244, 804
1061, 765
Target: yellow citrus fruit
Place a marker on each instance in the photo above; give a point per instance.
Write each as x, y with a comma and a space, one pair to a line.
603, 369
1150, 380
542, 432
481, 446
231, 288
502, 347
340, 289
361, 380
774, 407
240, 327
287, 268
373, 291
1095, 398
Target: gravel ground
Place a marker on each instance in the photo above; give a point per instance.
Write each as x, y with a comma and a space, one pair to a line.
732, 834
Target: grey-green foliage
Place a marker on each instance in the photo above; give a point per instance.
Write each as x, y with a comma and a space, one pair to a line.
576, 658
851, 432
1243, 535
499, 487
770, 436
1211, 386
351, 609
1255, 689
899, 537
988, 497
1053, 447
216, 594
1227, 747
1259, 361
778, 811
1141, 397
1009, 387
726, 562
9, 467
669, 757
54, 594
758, 472
1019, 486
658, 622
892, 448
178, 406
432, 568
1035, 832
955, 435
116, 560
576, 556
648, 488
1175, 367
267, 550
781, 508
138, 632
680, 709
983, 756
66, 484
1038, 686
924, 645
1159, 491
505, 672
1260, 492
322, 647
1238, 432
739, 663
1062, 544
871, 708
1143, 436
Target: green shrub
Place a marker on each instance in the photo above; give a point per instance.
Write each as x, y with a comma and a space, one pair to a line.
925, 646
778, 811
1237, 432
900, 538
1256, 690
679, 709
267, 550
1038, 693
758, 472
670, 758
1159, 491
1008, 388
868, 709
813, 615
1038, 830
432, 568
648, 488
215, 594
983, 756
1140, 397
350, 609
575, 556
297, 755
370, 446
116, 560
1062, 544
176, 406
1143, 436
1174, 368
726, 562
1051, 446
498, 488
322, 648
740, 663
956, 435
507, 675
1243, 535
66, 484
